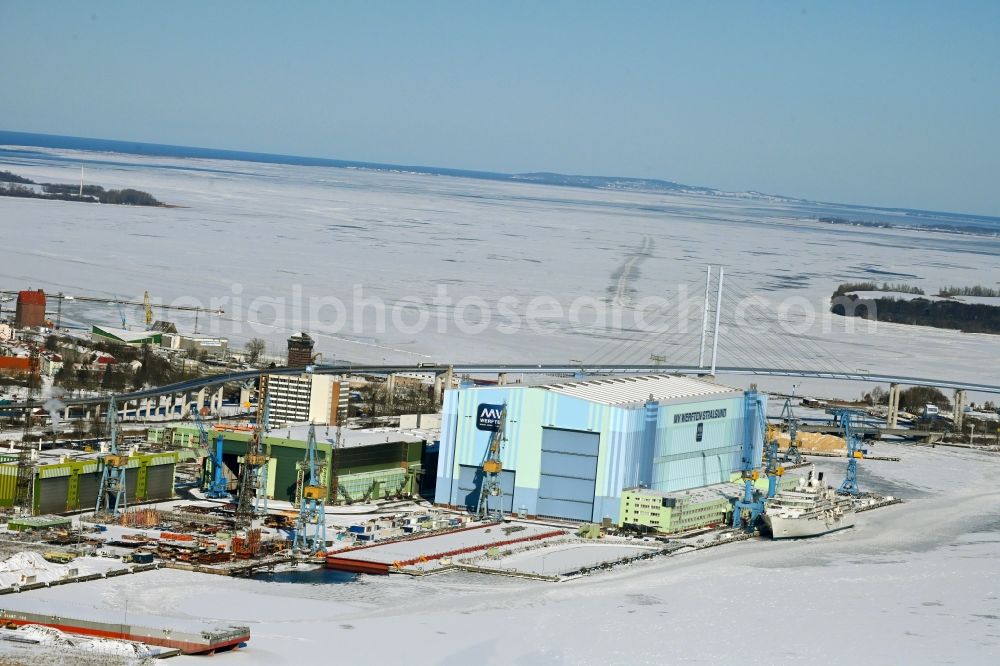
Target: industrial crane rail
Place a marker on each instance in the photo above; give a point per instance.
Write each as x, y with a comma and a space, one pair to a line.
514, 368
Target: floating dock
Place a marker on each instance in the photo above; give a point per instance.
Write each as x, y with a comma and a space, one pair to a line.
381, 558
187, 636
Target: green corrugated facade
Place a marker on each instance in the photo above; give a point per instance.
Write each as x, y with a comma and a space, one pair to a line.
72, 485
375, 467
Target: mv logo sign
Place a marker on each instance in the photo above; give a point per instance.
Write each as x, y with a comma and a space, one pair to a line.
488, 417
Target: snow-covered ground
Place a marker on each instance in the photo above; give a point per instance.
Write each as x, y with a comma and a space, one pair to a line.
376, 265
910, 584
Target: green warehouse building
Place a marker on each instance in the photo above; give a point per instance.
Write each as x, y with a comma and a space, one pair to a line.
369, 464
68, 480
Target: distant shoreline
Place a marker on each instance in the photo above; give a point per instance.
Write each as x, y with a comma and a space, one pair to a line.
16, 186
834, 213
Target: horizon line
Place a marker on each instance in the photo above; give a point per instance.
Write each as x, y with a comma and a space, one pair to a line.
481, 174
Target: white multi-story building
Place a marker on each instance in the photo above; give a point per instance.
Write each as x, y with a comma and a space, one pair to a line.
306, 398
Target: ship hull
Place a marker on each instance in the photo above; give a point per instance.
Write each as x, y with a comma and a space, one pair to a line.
803, 528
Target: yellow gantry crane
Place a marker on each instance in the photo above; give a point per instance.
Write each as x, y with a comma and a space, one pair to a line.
147, 308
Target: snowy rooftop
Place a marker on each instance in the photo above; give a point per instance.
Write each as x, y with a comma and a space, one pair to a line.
703, 494
630, 390
51, 456
352, 438
126, 335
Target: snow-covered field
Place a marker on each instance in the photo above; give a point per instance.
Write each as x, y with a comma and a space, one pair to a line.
409, 267
915, 583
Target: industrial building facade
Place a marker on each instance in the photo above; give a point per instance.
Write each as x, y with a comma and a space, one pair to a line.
572, 448
667, 513
71, 484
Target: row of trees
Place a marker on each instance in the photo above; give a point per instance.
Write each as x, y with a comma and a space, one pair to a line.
912, 399
901, 287
9, 177
968, 317
978, 290
377, 401
16, 186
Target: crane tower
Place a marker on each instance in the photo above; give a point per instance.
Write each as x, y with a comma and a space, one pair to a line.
854, 452
792, 453
310, 527
251, 493
749, 507
492, 467
111, 497
216, 486
147, 309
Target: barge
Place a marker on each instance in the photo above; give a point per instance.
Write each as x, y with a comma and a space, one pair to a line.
188, 637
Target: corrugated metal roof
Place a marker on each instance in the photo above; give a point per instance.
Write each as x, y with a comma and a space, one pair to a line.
125, 335
639, 389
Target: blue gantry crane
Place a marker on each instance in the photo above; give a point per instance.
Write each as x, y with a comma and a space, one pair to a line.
792, 453
748, 508
121, 313
310, 527
111, 495
854, 451
772, 467
217, 486
251, 490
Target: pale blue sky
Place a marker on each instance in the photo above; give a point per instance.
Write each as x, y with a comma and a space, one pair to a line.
886, 103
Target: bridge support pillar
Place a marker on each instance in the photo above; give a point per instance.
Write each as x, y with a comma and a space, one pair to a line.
185, 404
960, 403
200, 400
892, 417
438, 389
217, 401
442, 383
502, 379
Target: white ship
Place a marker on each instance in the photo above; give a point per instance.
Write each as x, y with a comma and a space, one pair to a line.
810, 509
